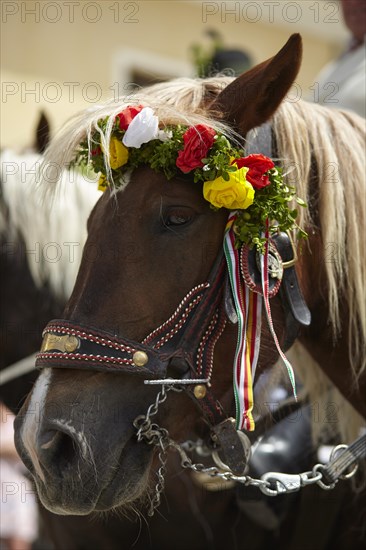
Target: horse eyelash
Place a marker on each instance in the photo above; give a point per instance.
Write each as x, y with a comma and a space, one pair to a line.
162, 220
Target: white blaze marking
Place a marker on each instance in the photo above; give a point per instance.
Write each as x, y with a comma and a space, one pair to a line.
32, 420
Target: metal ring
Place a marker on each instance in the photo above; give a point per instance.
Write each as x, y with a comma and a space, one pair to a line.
219, 463
292, 262
247, 451
320, 482
333, 454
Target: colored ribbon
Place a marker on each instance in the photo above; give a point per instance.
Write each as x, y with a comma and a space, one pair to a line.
248, 307
267, 307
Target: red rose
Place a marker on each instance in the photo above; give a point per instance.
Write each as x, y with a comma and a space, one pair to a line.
258, 167
197, 142
127, 115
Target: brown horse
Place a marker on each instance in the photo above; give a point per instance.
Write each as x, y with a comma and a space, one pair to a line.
157, 244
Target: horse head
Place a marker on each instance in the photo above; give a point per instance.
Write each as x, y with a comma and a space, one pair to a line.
150, 303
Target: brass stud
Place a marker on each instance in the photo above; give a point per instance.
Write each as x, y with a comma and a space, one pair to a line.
199, 391
140, 358
72, 343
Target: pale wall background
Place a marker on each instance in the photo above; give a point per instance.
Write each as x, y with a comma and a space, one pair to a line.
63, 56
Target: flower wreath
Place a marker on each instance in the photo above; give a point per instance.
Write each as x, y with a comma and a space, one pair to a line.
252, 184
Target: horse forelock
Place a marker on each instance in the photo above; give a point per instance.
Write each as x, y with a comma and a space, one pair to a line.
308, 134
181, 101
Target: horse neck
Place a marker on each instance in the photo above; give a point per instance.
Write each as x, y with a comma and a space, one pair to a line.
331, 351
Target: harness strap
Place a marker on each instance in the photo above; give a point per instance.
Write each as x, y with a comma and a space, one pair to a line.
190, 334
296, 311
71, 345
261, 140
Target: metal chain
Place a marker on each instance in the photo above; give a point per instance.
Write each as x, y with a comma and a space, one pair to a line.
271, 483
153, 434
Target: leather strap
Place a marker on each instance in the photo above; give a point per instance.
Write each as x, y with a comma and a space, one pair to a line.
346, 459
189, 334
296, 311
259, 141
96, 350
184, 335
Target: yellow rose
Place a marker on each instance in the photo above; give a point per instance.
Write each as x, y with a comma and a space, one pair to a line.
118, 153
102, 183
236, 193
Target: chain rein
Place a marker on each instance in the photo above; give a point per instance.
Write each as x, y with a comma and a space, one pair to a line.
271, 483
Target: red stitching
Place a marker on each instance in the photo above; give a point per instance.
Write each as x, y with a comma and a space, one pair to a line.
84, 357
164, 339
172, 318
211, 347
249, 281
90, 337
205, 337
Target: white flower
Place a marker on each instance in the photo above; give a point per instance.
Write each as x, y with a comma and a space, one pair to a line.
142, 128
165, 136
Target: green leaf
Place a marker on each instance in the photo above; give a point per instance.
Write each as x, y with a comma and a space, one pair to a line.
300, 202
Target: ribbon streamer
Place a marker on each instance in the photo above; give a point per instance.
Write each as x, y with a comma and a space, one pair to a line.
248, 307
267, 307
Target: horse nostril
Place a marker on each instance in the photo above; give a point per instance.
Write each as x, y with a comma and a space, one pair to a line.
50, 439
57, 447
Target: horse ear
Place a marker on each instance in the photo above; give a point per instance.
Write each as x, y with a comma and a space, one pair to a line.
43, 132
252, 98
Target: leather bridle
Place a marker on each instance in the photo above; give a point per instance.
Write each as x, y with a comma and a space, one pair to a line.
190, 335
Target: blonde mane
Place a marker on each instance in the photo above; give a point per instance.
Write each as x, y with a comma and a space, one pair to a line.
306, 135
334, 141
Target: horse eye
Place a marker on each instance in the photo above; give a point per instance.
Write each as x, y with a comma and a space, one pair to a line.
177, 217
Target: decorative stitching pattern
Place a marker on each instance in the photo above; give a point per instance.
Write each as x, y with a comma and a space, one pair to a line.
89, 337
154, 341
178, 325
205, 337
248, 279
211, 347
172, 318
85, 357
